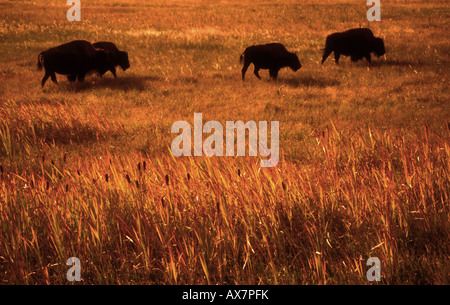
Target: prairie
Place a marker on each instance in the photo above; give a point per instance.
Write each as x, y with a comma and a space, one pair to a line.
86, 169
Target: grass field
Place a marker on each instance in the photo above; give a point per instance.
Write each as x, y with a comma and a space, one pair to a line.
86, 169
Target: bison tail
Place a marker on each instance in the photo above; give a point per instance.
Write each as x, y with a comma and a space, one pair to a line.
40, 61
241, 59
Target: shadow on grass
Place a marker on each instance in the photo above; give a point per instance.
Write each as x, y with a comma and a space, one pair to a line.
394, 63
379, 62
122, 82
65, 130
310, 81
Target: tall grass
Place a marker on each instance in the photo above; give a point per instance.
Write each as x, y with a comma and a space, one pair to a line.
133, 219
85, 170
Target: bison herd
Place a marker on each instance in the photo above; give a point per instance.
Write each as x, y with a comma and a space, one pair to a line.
77, 58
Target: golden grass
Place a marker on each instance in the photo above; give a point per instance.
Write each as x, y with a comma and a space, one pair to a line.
132, 219
85, 170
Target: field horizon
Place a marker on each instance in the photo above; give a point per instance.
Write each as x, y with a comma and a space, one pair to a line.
86, 169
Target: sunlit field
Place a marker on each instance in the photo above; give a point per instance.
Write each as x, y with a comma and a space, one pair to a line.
86, 169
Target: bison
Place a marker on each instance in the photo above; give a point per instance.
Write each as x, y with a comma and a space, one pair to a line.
74, 59
356, 43
272, 56
116, 57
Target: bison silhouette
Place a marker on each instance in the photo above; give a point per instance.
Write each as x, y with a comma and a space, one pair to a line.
356, 43
74, 59
272, 56
115, 56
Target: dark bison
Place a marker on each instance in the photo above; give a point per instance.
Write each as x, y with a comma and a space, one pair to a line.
272, 56
356, 43
116, 57
74, 59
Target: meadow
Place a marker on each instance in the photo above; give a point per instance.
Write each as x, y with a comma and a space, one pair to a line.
86, 169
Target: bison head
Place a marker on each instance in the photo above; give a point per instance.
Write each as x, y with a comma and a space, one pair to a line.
378, 47
123, 60
294, 63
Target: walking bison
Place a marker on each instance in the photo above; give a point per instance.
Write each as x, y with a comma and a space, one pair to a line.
272, 56
356, 43
115, 56
74, 59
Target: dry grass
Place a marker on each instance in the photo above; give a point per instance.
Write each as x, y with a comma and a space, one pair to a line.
85, 170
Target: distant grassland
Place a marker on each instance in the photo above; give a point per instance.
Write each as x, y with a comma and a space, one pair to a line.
86, 169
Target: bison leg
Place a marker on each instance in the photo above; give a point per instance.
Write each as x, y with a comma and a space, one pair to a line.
53, 77
273, 73
113, 71
336, 57
72, 77
369, 59
326, 53
244, 69
256, 73
44, 79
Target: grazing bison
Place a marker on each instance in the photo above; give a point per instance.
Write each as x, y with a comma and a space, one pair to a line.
116, 57
356, 43
74, 59
272, 56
